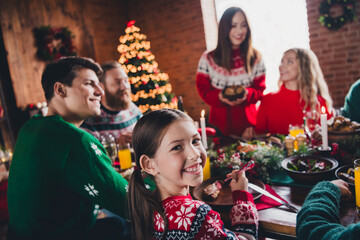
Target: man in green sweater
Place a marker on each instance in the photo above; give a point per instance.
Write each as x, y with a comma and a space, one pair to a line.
60, 175
352, 102
319, 216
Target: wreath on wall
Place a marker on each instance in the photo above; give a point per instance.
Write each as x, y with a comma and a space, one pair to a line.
53, 43
334, 23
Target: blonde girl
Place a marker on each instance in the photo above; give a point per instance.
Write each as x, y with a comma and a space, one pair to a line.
302, 89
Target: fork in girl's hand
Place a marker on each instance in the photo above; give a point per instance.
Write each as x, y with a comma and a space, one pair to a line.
213, 190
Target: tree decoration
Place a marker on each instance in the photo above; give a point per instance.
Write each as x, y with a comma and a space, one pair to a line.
53, 43
150, 87
332, 22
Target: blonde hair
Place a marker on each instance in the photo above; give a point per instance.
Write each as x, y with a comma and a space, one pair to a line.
311, 80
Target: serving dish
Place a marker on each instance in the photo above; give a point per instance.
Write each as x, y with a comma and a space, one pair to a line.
306, 177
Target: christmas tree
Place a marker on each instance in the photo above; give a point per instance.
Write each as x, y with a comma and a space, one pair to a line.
150, 87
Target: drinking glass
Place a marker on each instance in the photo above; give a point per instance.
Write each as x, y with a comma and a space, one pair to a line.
295, 130
206, 170
125, 157
357, 184
108, 141
310, 120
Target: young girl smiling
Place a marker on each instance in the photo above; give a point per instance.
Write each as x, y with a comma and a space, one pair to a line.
168, 148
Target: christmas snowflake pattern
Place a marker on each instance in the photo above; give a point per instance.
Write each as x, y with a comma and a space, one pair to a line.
173, 204
183, 217
213, 226
96, 150
159, 222
96, 209
244, 214
91, 190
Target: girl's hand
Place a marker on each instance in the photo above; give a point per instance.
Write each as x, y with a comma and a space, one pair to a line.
235, 102
238, 181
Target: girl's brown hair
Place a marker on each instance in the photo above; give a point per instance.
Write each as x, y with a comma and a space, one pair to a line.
223, 50
147, 136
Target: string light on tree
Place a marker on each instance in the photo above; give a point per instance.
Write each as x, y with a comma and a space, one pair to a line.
150, 87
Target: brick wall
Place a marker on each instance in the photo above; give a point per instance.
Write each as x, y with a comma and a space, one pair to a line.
96, 26
338, 51
176, 33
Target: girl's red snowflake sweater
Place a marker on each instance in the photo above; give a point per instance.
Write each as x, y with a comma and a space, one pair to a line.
192, 219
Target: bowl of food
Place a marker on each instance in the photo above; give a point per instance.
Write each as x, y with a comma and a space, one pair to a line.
309, 169
342, 128
346, 173
233, 92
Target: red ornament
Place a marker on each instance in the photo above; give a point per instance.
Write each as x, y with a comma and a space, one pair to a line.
130, 23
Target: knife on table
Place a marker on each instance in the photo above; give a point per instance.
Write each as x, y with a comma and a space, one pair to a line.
266, 193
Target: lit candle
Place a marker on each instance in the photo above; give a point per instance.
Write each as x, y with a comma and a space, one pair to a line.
203, 129
324, 128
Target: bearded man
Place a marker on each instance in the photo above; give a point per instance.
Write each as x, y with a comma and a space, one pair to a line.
118, 113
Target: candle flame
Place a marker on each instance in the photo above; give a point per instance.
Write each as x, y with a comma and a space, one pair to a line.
203, 113
323, 110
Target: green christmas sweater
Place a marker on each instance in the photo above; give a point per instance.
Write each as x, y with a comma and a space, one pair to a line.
59, 177
352, 102
318, 218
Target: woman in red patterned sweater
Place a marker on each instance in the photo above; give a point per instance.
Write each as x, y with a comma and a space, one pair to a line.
302, 88
168, 148
233, 62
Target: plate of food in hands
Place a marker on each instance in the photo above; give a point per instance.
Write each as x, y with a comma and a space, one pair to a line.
223, 197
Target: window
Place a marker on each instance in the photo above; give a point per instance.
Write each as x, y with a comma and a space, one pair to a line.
276, 26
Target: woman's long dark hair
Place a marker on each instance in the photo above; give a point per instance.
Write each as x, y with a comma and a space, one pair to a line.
223, 50
146, 137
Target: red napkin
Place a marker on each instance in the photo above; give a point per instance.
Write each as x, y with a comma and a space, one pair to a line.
266, 202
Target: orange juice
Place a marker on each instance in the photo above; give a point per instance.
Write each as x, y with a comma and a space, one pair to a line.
125, 158
294, 131
206, 170
357, 187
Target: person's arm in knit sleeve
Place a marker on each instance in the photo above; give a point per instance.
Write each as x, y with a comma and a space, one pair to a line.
319, 216
207, 92
89, 173
256, 90
244, 216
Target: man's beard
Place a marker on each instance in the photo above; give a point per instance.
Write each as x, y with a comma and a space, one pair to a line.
115, 102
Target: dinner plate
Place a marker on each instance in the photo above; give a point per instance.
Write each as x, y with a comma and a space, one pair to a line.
225, 196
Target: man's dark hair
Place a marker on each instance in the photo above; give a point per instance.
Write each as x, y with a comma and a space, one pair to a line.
64, 71
106, 67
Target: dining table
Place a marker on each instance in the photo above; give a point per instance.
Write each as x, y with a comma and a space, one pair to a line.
280, 223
